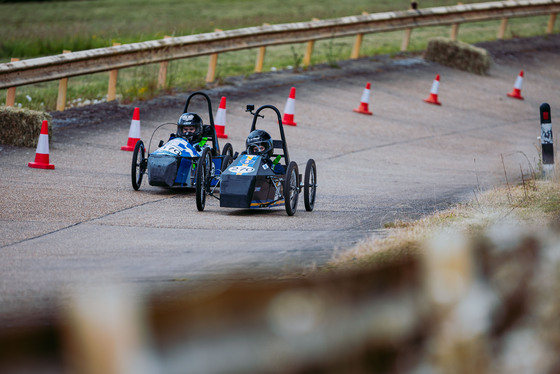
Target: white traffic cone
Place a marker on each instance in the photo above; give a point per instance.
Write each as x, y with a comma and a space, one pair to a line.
433, 98
516, 92
42, 154
364, 102
290, 109
133, 132
220, 123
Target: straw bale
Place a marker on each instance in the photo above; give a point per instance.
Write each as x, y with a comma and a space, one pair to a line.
21, 127
458, 55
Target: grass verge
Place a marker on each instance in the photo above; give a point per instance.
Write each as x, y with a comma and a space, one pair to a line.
532, 203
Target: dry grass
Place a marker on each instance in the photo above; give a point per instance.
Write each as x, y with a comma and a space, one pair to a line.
532, 203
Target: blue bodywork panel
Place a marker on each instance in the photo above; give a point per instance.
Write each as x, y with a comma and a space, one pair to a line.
174, 164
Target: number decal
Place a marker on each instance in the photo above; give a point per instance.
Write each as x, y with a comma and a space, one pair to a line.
241, 169
171, 148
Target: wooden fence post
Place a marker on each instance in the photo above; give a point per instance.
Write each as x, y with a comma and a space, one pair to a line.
260, 56
455, 27
406, 39
212, 68
357, 43
408, 31
162, 75
455, 31
11, 94
309, 50
113, 74
551, 21
260, 59
62, 89
357, 46
212, 65
503, 26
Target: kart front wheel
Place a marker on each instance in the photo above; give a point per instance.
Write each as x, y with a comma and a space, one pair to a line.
226, 162
203, 178
310, 185
291, 188
227, 150
139, 164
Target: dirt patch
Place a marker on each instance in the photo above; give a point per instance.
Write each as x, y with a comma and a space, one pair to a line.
89, 115
521, 47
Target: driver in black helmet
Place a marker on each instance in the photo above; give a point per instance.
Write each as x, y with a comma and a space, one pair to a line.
190, 127
259, 142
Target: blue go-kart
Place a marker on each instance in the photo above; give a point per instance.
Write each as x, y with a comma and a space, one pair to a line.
178, 164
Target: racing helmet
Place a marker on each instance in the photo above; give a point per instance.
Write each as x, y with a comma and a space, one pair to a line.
259, 142
190, 120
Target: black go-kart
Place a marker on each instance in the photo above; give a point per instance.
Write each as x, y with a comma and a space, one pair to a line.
252, 182
178, 164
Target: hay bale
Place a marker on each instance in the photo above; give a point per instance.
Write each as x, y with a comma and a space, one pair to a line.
22, 127
458, 55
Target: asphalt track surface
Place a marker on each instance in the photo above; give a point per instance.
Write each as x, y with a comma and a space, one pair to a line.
83, 225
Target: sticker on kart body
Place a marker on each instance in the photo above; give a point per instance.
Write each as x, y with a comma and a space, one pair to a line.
245, 165
178, 147
241, 169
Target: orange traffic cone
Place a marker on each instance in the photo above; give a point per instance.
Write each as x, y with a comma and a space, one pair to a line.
42, 154
134, 132
433, 99
220, 123
364, 102
290, 109
516, 92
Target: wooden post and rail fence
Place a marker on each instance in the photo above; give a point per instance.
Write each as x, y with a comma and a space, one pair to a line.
71, 64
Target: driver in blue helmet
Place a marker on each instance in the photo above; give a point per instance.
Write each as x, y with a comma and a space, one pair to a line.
190, 127
259, 142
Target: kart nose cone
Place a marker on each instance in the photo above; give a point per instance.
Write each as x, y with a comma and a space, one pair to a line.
162, 170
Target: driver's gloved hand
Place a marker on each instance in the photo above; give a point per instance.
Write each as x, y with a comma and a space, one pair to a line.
198, 148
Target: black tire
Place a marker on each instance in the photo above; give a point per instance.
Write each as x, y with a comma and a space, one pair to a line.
291, 188
227, 150
139, 164
203, 177
226, 162
310, 185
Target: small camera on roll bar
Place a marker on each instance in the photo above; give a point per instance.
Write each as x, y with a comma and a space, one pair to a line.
251, 108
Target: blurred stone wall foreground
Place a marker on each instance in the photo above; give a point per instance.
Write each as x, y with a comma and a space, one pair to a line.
484, 305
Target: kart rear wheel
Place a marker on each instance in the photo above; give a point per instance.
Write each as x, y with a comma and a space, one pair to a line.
227, 150
139, 164
291, 188
203, 178
310, 185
